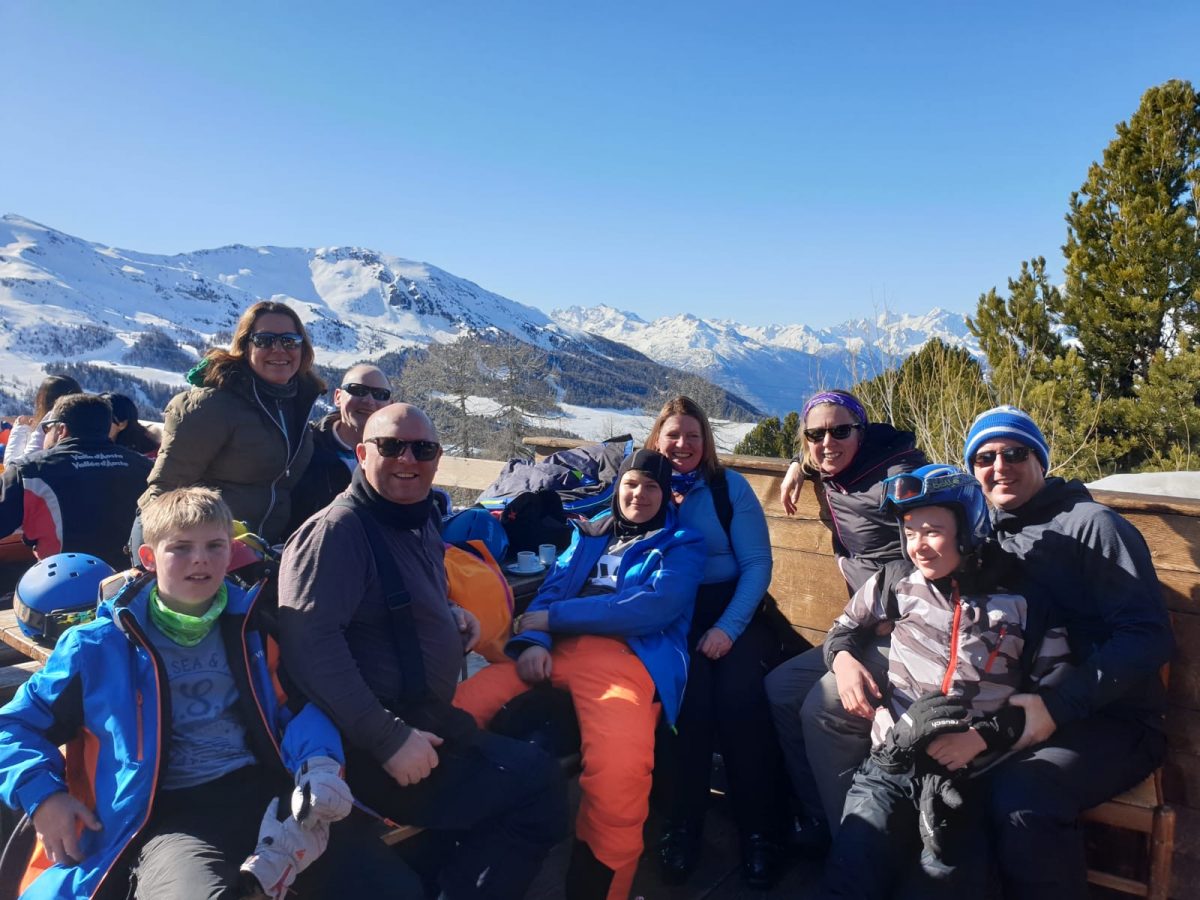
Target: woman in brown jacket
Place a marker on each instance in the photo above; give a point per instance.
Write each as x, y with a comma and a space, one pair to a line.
241, 429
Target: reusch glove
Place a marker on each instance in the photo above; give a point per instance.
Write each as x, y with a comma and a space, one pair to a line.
928, 717
284, 851
937, 801
320, 795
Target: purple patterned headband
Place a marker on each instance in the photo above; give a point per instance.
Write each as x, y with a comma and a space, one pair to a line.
847, 400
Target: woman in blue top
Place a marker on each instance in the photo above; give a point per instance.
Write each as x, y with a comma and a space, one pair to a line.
732, 648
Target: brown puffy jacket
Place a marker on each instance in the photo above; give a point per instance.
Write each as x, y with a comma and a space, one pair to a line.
231, 439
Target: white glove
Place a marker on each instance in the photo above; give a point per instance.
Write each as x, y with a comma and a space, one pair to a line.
320, 795
284, 851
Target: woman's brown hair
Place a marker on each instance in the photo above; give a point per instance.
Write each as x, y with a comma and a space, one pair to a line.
686, 406
51, 388
222, 363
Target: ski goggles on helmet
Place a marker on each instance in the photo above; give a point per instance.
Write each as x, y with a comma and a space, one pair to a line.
51, 625
906, 489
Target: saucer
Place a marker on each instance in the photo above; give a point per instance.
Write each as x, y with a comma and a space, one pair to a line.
517, 570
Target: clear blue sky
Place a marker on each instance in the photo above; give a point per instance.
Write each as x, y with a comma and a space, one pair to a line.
763, 161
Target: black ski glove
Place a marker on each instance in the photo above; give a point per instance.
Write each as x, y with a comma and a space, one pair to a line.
928, 717
937, 801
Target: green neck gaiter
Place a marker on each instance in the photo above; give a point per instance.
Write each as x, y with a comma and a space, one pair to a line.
185, 630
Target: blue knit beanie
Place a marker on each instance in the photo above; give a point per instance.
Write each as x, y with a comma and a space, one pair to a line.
1006, 422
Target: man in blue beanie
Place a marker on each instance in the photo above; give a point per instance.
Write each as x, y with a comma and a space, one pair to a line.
1098, 731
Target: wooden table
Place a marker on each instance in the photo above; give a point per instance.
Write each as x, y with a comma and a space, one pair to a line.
524, 587
12, 635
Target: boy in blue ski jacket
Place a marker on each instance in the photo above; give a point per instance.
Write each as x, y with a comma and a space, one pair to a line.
609, 625
177, 736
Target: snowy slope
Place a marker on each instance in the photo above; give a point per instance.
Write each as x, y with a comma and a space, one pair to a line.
64, 298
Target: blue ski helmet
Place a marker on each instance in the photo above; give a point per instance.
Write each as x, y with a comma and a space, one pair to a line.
941, 485
60, 591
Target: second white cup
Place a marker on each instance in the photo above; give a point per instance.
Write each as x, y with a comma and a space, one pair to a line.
547, 553
527, 561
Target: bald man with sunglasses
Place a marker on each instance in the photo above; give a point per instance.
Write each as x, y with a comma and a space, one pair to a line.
1099, 731
370, 636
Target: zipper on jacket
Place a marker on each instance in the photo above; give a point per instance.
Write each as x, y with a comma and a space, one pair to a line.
262, 713
134, 629
141, 733
996, 650
289, 456
948, 678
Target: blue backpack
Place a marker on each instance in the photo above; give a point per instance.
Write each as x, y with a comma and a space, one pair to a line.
475, 524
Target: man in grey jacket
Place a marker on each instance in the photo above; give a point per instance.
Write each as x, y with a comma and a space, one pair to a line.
369, 634
1098, 731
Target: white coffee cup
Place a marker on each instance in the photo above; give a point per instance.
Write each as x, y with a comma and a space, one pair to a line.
527, 561
547, 553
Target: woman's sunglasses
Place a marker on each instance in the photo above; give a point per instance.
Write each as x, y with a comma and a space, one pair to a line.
265, 340
839, 432
390, 448
383, 395
1008, 454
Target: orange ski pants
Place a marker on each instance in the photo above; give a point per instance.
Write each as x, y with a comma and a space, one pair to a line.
614, 702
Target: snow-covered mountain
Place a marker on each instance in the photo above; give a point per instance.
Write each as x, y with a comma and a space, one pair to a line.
774, 366
65, 298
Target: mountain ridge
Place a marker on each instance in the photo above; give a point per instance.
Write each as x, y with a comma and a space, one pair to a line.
63, 297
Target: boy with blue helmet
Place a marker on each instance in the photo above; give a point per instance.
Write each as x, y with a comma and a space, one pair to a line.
957, 654
177, 736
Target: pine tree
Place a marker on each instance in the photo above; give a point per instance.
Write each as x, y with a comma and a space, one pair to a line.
1133, 250
1018, 331
936, 393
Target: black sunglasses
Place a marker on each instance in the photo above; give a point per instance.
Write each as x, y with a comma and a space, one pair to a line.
1009, 454
265, 340
839, 432
383, 395
390, 448
47, 424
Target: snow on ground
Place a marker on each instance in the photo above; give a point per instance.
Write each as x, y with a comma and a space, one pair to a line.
598, 424
1164, 484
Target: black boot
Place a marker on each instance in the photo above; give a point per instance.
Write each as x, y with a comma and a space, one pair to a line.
587, 877
678, 850
762, 860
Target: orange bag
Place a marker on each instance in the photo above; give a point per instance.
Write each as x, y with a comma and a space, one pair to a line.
477, 583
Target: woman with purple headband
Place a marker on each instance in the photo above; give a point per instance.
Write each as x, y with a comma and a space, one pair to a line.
824, 734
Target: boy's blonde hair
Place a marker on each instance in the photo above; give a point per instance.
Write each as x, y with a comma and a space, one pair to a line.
181, 509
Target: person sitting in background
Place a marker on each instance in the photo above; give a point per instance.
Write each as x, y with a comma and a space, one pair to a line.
158, 809
27, 435
126, 430
363, 390
610, 626
80, 493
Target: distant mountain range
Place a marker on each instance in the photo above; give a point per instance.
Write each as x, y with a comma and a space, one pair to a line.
63, 298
